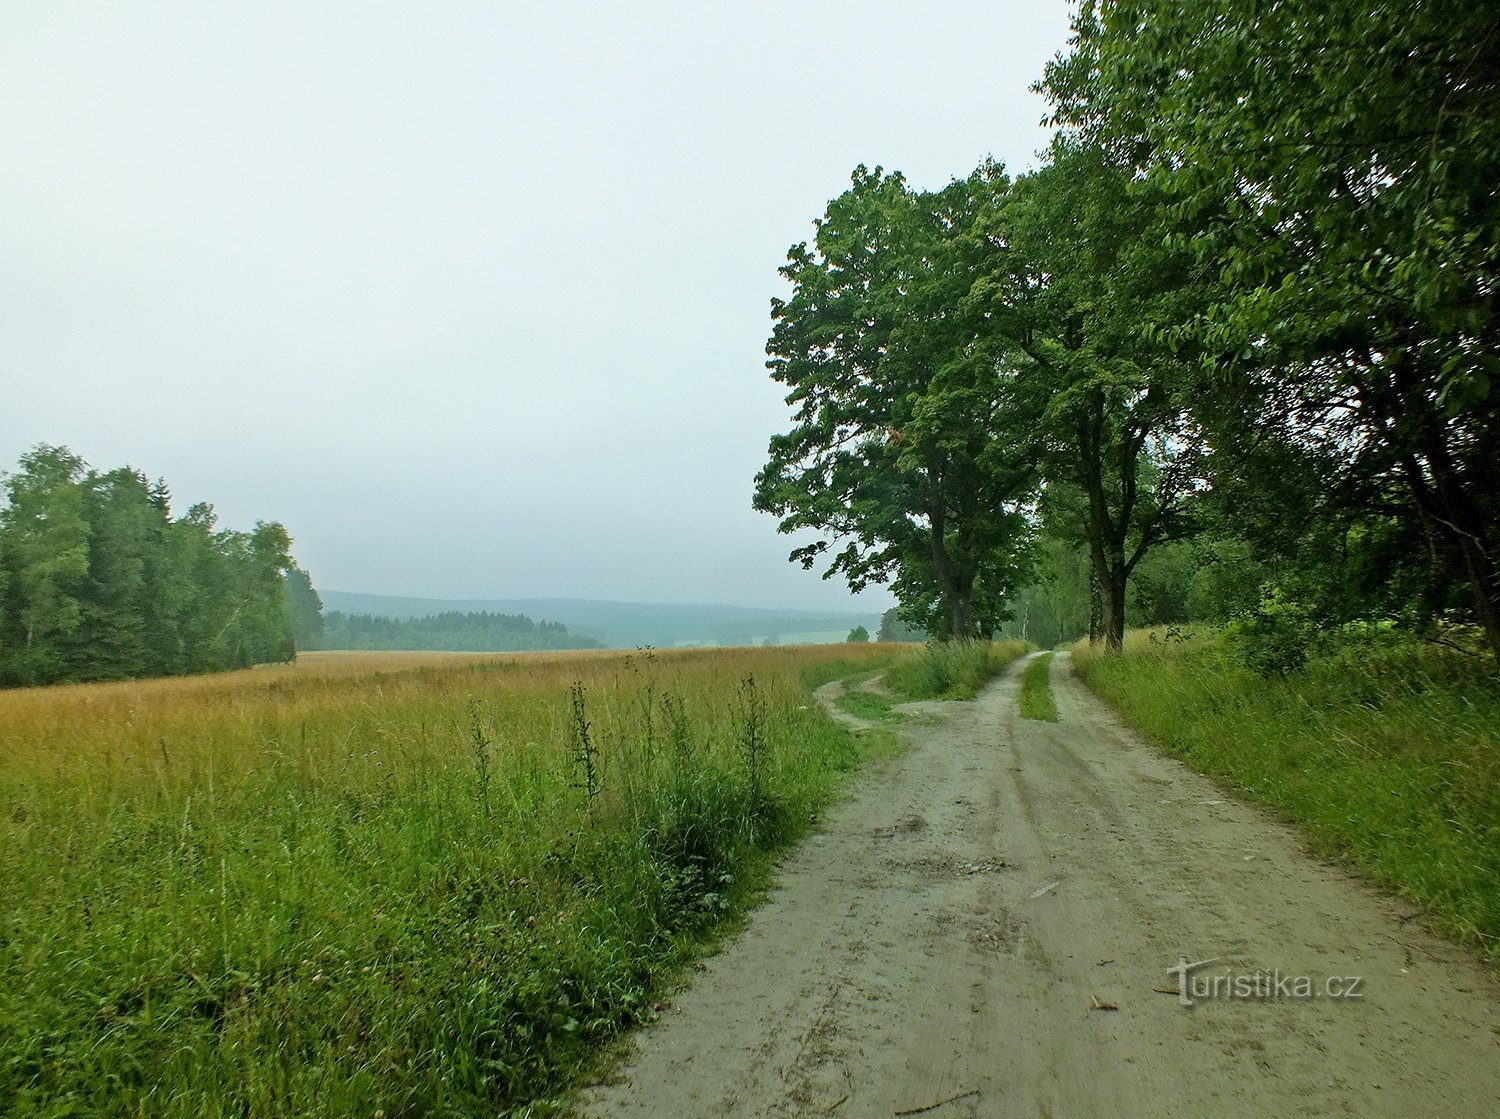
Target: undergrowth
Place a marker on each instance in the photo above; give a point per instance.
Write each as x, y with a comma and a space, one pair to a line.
1383, 751
435, 891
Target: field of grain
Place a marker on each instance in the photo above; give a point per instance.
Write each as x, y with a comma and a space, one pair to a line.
399, 883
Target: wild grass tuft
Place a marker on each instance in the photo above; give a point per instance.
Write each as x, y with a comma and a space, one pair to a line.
950, 670
1383, 752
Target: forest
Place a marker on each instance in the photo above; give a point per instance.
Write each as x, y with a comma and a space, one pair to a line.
99, 580
1230, 353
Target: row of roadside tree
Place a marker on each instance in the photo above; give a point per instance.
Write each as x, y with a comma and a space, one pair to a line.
1250, 300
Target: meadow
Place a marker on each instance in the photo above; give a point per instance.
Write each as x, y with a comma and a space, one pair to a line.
1385, 753
376, 885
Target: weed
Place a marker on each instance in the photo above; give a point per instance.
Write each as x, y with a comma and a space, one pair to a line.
752, 735
586, 754
679, 736
480, 744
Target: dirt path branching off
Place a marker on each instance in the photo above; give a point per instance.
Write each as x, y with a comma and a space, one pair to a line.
1006, 919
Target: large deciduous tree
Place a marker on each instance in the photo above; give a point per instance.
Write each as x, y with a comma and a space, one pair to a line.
897, 378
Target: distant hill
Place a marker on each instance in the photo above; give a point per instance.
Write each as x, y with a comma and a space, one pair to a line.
625, 625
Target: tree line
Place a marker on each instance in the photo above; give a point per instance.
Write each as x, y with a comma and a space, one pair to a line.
98, 579
480, 632
1243, 319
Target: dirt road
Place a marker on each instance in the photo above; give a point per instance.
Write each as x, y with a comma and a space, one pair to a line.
966, 924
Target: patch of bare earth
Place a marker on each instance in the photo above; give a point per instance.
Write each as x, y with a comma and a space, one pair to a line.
987, 923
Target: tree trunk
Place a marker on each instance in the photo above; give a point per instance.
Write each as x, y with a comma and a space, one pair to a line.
1112, 600
1107, 556
956, 583
1458, 522
1454, 527
1096, 608
962, 613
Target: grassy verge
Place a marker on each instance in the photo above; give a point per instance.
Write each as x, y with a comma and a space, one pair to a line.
951, 670
427, 891
1385, 758
1035, 698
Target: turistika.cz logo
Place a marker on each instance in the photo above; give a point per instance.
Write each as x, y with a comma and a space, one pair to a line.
1194, 984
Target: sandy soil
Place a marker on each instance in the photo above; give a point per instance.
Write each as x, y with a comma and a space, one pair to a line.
990, 918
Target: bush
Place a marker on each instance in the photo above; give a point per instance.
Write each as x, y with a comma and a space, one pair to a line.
1272, 639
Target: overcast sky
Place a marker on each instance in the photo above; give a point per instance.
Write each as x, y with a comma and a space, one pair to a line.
471, 296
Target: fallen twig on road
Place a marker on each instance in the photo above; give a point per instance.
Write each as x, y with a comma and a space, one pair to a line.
940, 1103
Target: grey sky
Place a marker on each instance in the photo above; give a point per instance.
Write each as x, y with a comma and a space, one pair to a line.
473, 297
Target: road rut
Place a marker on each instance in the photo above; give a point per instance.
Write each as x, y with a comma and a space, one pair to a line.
988, 922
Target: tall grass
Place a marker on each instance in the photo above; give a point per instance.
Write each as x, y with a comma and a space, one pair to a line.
952, 669
1387, 756
427, 891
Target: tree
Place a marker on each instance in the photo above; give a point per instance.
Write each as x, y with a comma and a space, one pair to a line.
121, 629
894, 628
1105, 402
896, 380
1337, 165
858, 635
265, 624
44, 546
304, 609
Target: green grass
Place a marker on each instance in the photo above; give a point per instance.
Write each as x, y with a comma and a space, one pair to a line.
950, 670
1385, 756
1035, 698
871, 660
301, 893
873, 706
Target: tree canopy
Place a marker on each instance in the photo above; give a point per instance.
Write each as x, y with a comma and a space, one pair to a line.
896, 386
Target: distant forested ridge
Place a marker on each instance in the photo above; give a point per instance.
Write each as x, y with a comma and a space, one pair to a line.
626, 625
478, 633
98, 580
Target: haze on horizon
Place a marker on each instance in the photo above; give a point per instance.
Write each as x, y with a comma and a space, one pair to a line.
472, 297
